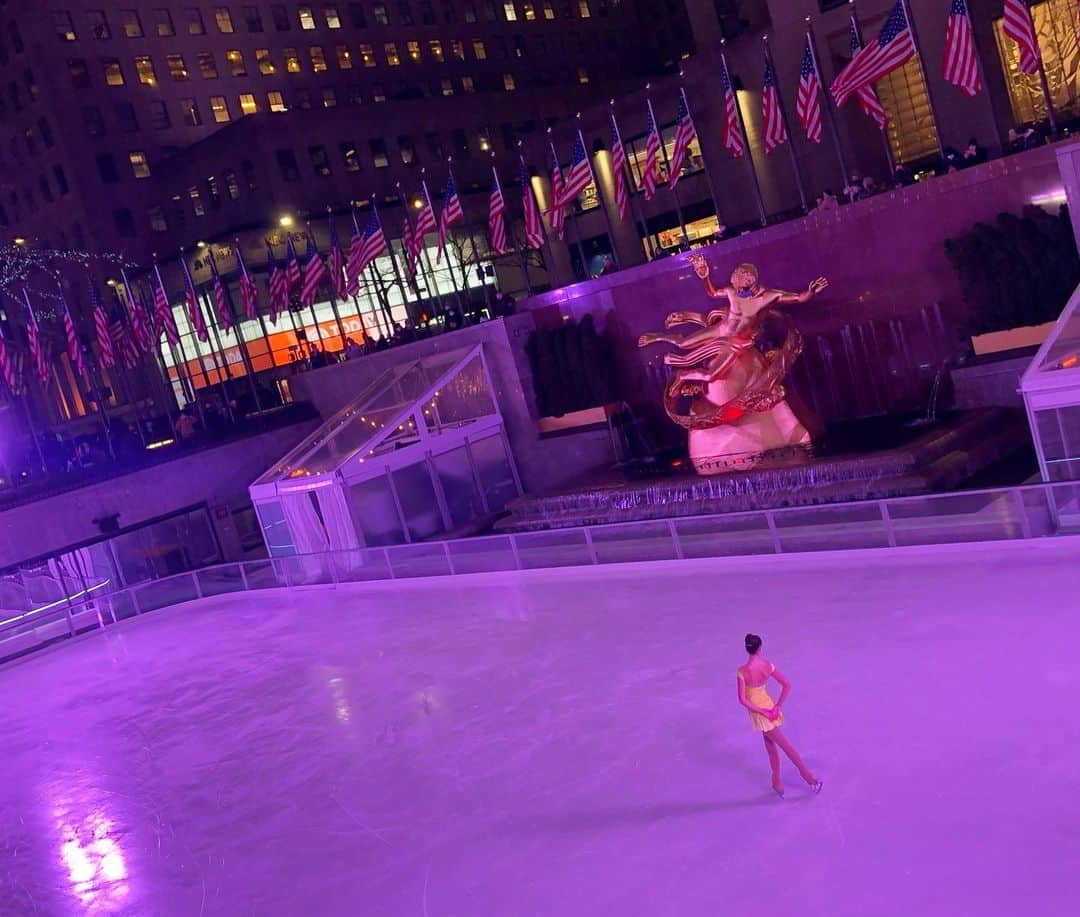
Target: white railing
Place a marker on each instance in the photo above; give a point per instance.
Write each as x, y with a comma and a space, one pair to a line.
1035, 511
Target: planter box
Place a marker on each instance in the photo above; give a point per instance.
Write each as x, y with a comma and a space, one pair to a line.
1011, 339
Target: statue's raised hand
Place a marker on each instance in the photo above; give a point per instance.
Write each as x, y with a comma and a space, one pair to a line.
818, 285
700, 265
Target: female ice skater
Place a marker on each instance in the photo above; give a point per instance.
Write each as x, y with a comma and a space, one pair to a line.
765, 715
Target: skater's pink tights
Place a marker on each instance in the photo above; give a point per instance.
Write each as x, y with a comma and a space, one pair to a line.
774, 739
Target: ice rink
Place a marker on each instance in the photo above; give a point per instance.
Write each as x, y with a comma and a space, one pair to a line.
563, 743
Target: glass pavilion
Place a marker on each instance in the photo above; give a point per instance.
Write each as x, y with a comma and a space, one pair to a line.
419, 453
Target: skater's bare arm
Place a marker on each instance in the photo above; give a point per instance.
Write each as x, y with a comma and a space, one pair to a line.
741, 691
785, 686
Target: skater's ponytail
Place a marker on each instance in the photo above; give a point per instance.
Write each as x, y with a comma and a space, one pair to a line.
753, 643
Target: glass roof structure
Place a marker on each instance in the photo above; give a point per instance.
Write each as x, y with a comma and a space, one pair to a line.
419, 452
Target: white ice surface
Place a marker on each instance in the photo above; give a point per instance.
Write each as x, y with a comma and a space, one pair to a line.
563, 743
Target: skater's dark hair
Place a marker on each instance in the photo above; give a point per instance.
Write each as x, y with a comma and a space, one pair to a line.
753, 643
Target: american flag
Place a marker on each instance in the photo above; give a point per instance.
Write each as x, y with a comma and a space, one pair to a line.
556, 214
451, 213
249, 292
195, 315
808, 104
408, 245
771, 111
684, 136
733, 135
618, 167
650, 175
7, 369
578, 177
101, 328
336, 263
123, 342
163, 313
74, 346
293, 274
137, 315
960, 66
221, 299
365, 248
314, 272
893, 48
425, 222
497, 217
33, 341
534, 227
277, 286
1018, 26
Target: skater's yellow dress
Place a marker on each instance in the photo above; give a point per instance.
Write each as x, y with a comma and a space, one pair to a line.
760, 697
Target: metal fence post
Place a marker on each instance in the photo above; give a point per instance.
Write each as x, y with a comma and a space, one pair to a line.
591, 546
449, 559
243, 576
514, 551
198, 585
675, 539
389, 564
886, 518
771, 522
1021, 511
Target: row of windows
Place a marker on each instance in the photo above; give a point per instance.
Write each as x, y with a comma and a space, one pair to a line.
318, 60
15, 206
221, 109
308, 18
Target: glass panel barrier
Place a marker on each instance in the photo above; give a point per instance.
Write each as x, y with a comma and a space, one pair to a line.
725, 536
638, 541
221, 580
565, 548
831, 528
954, 518
264, 574
482, 555
360, 566
165, 592
308, 569
419, 560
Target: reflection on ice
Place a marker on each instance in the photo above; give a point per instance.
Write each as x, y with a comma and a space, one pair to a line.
94, 859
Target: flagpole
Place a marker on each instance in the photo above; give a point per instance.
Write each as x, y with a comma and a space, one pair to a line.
510, 235
547, 238
1042, 74
220, 358
922, 71
631, 186
237, 329
600, 199
667, 167
192, 391
468, 230
159, 360
830, 114
188, 319
427, 258
332, 284
376, 281
889, 161
787, 126
704, 161
746, 139
393, 259
245, 275
573, 216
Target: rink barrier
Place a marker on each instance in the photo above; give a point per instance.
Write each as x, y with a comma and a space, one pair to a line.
1001, 514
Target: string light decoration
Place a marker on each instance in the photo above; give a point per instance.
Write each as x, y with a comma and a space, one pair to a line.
20, 263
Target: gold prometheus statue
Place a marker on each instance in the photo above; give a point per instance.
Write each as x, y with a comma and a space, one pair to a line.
727, 388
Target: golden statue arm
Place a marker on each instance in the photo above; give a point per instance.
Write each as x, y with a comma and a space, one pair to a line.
793, 299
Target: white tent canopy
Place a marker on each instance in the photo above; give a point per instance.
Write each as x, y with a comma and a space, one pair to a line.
420, 452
